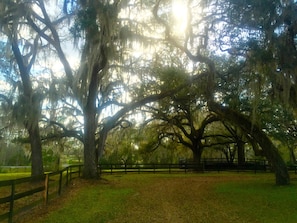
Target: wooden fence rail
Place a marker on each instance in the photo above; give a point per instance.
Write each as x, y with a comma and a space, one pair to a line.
206, 165
31, 191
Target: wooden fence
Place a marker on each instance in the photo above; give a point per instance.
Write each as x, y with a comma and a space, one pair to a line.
25, 193
186, 166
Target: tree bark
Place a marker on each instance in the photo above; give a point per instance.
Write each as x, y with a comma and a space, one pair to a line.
269, 150
31, 103
101, 143
292, 154
197, 153
90, 126
36, 150
240, 152
90, 165
32, 125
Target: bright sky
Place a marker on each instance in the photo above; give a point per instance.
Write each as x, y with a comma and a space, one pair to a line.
180, 14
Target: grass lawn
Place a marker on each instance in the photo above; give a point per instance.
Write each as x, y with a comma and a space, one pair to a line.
11, 176
173, 198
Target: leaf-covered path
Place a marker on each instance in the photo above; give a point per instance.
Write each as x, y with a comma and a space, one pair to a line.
177, 200
168, 198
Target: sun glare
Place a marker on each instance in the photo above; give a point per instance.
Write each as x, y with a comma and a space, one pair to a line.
180, 15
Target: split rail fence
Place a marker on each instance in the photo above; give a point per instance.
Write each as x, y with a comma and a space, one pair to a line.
23, 194
185, 166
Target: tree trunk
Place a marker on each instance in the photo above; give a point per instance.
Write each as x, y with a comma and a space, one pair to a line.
101, 143
90, 126
31, 114
32, 126
95, 57
292, 154
269, 150
240, 152
90, 165
197, 153
36, 150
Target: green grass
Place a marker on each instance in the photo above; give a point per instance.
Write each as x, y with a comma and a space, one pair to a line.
205, 198
95, 203
260, 200
11, 176
88, 210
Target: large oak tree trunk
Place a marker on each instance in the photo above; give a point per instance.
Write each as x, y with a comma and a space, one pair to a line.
101, 142
31, 113
90, 165
95, 59
292, 154
36, 150
90, 126
269, 150
197, 153
240, 152
31, 124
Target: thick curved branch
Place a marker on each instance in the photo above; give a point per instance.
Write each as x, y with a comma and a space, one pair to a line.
180, 139
208, 120
151, 98
65, 132
257, 134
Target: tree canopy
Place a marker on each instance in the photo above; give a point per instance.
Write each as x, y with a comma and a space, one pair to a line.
79, 69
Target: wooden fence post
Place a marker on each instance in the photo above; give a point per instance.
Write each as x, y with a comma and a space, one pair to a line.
46, 188
70, 173
60, 182
11, 201
67, 172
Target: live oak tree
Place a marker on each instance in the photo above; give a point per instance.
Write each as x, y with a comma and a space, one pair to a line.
184, 118
240, 28
180, 116
28, 110
105, 70
97, 85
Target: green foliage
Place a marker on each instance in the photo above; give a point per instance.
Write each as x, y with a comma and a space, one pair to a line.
50, 160
172, 77
13, 155
85, 20
269, 44
141, 145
